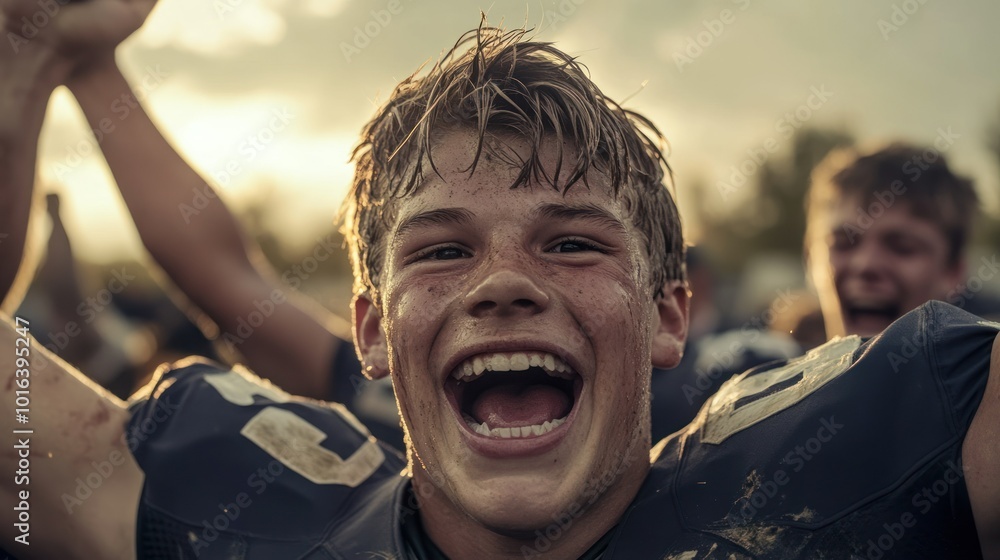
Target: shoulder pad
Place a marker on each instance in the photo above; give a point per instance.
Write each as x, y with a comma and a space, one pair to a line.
211, 440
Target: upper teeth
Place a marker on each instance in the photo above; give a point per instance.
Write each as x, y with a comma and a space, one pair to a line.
516, 361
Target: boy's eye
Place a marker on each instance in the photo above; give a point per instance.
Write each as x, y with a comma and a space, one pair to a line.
444, 253
574, 246
904, 249
905, 245
841, 241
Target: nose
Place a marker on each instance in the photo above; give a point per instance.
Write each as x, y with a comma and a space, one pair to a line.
506, 293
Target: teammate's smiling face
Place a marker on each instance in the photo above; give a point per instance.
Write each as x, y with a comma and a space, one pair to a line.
519, 328
869, 276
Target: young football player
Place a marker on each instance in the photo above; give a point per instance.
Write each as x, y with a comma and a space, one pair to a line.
518, 273
887, 231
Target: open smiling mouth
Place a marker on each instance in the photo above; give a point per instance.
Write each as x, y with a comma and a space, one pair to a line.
514, 395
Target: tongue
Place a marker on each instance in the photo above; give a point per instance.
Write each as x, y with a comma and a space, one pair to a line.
510, 405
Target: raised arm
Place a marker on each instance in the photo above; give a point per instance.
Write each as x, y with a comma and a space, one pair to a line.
29, 72
981, 458
72, 431
43, 44
206, 254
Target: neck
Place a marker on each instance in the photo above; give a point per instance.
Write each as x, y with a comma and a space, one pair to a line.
572, 532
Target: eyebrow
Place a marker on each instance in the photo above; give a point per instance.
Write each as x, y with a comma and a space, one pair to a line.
585, 212
439, 216
552, 211
908, 236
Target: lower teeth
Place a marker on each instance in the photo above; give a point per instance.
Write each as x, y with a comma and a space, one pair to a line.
515, 432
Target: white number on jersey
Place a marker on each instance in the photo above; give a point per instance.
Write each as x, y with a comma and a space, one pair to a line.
747, 399
294, 441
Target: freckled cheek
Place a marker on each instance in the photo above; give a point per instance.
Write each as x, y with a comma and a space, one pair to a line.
922, 270
415, 313
619, 325
416, 394
418, 307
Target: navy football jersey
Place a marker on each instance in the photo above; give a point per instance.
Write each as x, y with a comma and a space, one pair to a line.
235, 468
850, 451
678, 394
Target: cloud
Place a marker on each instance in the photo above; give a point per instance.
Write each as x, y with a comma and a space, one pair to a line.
215, 27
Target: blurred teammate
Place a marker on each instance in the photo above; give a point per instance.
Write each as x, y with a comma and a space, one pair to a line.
887, 231
518, 263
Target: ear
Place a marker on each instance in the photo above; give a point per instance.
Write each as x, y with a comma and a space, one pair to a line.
369, 337
671, 332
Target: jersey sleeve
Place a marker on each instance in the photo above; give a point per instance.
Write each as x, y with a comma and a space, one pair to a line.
959, 351
678, 393
232, 461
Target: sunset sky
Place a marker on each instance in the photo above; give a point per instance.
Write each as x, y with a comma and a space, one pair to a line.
722, 77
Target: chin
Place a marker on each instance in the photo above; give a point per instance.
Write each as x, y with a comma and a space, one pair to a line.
521, 502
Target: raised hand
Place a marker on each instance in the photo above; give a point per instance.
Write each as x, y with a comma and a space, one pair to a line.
75, 29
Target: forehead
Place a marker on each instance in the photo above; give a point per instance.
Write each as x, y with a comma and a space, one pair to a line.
873, 217
483, 179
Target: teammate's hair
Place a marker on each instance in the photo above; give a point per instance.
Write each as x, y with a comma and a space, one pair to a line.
899, 173
495, 82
